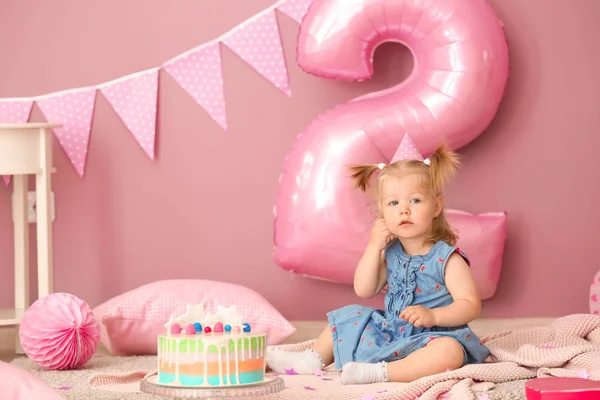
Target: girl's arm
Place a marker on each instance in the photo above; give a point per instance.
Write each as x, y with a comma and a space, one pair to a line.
371, 273
461, 285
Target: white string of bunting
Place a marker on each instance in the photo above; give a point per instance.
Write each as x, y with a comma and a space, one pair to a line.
133, 97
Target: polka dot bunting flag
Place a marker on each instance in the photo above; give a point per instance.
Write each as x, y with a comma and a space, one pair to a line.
258, 43
134, 99
73, 110
14, 111
295, 9
199, 73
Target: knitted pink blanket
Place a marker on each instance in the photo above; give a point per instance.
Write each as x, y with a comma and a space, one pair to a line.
569, 347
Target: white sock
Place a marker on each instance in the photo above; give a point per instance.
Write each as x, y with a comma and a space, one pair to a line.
356, 373
303, 363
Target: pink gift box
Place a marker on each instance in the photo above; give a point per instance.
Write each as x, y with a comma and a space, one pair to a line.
562, 389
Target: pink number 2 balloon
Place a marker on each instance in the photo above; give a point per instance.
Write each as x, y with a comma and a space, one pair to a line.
460, 71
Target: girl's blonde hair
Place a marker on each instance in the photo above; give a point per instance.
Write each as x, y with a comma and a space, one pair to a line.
443, 164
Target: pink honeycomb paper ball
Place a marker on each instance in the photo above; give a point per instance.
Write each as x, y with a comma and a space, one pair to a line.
59, 332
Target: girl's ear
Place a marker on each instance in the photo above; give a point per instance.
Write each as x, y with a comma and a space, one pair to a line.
439, 205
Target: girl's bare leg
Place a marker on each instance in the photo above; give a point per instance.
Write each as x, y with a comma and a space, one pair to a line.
438, 356
305, 362
324, 346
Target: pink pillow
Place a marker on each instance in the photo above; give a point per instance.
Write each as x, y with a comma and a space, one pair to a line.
18, 384
482, 238
130, 322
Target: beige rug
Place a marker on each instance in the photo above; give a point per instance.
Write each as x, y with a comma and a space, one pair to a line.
568, 347
74, 384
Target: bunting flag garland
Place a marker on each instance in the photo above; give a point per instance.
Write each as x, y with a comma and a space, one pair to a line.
134, 97
199, 73
14, 111
74, 110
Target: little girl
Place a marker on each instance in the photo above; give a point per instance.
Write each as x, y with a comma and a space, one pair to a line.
431, 292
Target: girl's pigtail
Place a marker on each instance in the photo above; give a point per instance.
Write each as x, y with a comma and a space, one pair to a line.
361, 174
443, 166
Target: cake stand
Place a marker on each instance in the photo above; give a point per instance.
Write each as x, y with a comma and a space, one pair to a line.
271, 384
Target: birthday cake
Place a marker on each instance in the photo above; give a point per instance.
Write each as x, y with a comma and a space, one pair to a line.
210, 350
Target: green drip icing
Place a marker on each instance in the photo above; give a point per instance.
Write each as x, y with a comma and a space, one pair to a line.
196, 344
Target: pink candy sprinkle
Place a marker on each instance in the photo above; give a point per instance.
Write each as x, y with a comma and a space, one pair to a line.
207, 329
175, 328
219, 327
190, 330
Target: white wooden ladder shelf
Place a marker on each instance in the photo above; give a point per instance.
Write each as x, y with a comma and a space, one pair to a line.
27, 149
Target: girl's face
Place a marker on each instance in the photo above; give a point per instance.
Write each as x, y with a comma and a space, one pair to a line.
408, 207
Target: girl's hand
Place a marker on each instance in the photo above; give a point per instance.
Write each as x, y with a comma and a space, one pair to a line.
418, 316
380, 235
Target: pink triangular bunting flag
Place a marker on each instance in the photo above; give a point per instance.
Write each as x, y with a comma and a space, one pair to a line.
295, 9
259, 44
74, 111
199, 73
14, 111
134, 99
407, 151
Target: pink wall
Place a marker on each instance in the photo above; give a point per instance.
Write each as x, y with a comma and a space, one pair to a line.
203, 209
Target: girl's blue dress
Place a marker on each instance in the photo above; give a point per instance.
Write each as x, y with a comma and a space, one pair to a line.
366, 334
